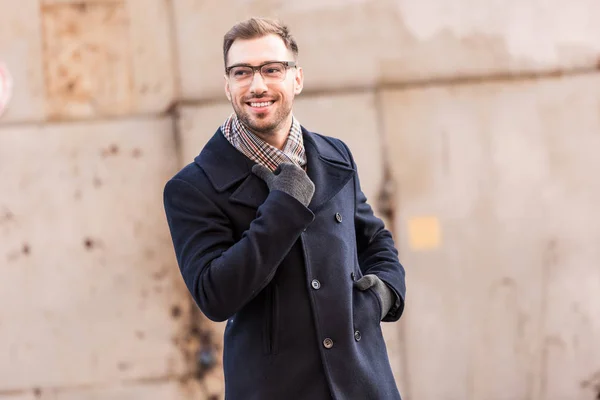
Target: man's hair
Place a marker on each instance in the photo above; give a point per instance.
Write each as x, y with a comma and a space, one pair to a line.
255, 28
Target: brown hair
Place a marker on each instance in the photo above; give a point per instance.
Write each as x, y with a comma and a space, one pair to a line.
254, 28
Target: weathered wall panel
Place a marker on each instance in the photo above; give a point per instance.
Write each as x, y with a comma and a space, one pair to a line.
197, 124
87, 261
107, 58
359, 43
21, 50
506, 305
154, 65
87, 59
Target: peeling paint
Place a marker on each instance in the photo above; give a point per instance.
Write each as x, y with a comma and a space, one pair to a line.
517, 23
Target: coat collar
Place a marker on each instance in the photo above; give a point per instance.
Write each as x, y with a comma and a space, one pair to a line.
225, 167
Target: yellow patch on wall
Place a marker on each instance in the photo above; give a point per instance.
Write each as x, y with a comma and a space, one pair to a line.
424, 233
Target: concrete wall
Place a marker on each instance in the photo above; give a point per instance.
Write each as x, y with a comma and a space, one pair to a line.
475, 127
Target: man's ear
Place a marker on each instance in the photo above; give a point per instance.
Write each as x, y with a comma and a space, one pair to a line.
299, 81
227, 91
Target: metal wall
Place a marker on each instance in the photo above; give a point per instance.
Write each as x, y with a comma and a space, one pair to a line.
475, 127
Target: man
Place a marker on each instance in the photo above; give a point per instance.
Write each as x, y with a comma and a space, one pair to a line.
272, 231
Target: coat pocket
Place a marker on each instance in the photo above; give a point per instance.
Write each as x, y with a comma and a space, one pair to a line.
372, 309
366, 308
271, 320
377, 303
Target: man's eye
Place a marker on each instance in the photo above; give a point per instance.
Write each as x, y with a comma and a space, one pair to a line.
272, 71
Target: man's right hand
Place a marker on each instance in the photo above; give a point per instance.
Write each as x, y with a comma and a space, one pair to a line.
290, 179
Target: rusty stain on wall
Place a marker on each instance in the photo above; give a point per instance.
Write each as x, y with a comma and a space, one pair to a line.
112, 150
593, 384
200, 343
87, 53
386, 199
6, 216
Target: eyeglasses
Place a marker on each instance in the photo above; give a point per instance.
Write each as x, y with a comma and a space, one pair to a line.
271, 72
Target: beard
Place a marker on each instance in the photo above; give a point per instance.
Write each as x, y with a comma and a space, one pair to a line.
264, 124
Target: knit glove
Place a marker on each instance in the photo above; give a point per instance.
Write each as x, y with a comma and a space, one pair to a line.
288, 178
385, 293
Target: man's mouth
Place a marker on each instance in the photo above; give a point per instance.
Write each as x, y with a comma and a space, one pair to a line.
260, 104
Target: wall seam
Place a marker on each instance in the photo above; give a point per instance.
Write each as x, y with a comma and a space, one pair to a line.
387, 203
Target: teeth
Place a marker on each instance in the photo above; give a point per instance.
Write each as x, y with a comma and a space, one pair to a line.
264, 104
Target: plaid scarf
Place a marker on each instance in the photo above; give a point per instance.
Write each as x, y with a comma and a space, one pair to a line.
262, 152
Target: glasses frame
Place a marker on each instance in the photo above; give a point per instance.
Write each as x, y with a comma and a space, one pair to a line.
286, 64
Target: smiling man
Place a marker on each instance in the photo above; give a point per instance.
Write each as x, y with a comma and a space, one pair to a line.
272, 232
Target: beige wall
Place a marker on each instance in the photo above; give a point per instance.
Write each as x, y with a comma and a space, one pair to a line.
479, 122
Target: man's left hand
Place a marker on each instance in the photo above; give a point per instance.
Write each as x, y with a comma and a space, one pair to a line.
383, 291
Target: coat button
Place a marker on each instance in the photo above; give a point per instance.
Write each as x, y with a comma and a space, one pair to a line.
352, 276
315, 284
328, 343
338, 217
357, 336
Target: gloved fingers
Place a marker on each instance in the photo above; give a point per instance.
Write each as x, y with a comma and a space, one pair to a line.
287, 166
366, 282
262, 172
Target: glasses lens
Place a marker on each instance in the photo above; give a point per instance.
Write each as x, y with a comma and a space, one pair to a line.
273, 71
240, 74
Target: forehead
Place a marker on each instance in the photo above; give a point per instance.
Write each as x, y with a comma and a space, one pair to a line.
256, 51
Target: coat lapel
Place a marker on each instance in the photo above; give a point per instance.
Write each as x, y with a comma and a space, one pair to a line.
328, 170
252, 192
225, 167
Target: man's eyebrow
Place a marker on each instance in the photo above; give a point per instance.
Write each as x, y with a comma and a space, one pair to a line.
250, 65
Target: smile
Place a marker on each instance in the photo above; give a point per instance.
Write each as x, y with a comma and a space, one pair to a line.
261, 104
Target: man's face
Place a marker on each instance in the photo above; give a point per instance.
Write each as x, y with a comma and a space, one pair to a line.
263, 106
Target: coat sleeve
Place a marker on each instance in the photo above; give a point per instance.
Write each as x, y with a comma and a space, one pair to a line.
377, 253
223, 275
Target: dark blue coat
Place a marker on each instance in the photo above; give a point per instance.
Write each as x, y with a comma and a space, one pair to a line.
283, 274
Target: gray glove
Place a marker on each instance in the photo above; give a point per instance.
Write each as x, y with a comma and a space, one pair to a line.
290, 179
385, 293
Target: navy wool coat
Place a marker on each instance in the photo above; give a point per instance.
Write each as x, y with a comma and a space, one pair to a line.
282, 274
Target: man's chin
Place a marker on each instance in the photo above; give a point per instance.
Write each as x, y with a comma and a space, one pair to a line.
265, 130
260, 127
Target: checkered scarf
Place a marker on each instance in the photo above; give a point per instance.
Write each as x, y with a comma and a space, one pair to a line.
262, 152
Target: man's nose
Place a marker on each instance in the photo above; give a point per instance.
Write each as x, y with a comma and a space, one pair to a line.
258, 85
